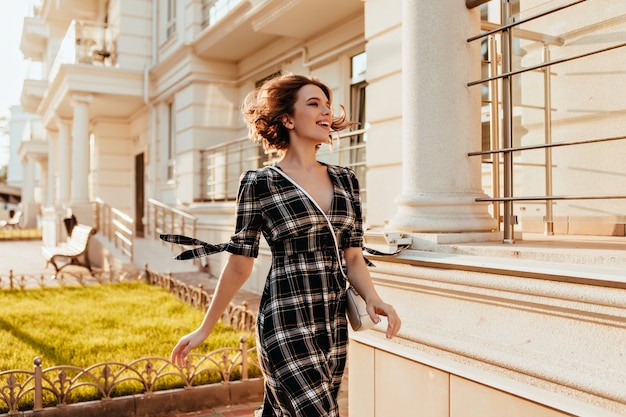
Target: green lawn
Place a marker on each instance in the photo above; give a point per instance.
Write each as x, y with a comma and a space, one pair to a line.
85, 325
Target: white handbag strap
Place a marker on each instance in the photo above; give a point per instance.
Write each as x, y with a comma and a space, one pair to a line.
332, 230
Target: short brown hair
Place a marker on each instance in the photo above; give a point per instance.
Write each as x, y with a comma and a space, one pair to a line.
264, 108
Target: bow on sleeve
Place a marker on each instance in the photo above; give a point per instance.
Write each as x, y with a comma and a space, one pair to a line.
202, 249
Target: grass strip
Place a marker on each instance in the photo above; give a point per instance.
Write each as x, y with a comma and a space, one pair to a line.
87, 325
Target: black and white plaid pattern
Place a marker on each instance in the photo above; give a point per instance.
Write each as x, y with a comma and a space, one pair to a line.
302, 328
204, 248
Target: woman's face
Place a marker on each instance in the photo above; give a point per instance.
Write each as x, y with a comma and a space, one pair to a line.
312, 115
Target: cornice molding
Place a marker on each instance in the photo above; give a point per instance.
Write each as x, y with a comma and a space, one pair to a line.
273, 9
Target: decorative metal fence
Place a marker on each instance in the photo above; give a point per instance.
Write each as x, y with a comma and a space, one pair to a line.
61, 385
238, 317
41, 387
15, 281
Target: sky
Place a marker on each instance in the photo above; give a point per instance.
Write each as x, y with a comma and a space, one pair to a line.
13, 67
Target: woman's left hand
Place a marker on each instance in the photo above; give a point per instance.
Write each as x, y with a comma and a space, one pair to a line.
378, 307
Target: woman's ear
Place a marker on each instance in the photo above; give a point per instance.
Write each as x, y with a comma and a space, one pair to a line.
287, 122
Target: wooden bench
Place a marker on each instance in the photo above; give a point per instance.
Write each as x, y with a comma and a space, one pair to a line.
13, 222
75, 249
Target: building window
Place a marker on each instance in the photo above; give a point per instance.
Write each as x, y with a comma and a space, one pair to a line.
262, 81
357, 113
171, 142
171, 18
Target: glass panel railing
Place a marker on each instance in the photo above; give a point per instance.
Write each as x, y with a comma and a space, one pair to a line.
84, 43
223, 165
561, 108
214, 10
349, 151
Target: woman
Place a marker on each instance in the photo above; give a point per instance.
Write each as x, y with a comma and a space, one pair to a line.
302, 329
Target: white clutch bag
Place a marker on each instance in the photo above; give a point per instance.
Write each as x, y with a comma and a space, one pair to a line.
357, 312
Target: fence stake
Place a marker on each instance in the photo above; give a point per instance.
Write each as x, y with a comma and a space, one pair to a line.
243, 344
38, 385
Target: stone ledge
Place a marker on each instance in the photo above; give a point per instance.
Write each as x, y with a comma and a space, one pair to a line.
551, 397
550, 335
600, 275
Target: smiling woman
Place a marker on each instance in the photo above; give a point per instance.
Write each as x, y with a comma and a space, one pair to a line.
313, 226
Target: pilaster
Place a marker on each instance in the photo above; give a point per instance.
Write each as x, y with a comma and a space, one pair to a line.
64, 158
80, 149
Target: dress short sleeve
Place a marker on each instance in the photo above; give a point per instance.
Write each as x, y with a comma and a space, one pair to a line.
355, 237
245, 240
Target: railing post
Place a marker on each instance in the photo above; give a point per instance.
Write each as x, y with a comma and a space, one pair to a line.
172, 223
494, 96
148, 219
243, 345
507, 124
38, 377
547, 93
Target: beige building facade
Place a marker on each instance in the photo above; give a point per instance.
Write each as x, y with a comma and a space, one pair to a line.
468, 110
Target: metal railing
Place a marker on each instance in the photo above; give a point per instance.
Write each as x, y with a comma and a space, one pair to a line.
214, 10
238, 317
222, 165
507, 149
14, 282
166, 219
42, 388
116, 226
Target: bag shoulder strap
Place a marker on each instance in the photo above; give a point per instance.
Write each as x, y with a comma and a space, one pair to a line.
330, 225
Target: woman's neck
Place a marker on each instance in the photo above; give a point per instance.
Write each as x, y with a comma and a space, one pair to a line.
299, 159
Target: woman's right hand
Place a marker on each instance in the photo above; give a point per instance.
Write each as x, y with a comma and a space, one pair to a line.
185, 345
234, 274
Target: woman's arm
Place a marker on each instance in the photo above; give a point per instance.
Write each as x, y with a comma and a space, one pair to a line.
235, 273
360, 277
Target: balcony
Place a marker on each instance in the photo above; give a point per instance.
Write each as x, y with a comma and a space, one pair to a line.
85, 43
235, 29
34, 38
60, 12
215, 10
33, 92
222, 165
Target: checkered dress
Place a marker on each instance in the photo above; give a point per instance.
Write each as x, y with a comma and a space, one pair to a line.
302, 328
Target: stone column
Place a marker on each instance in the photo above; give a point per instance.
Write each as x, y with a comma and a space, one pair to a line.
64, 158
52, 227
29, 206
28, 167
440, 122
44, 181
52, 170
80, 150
